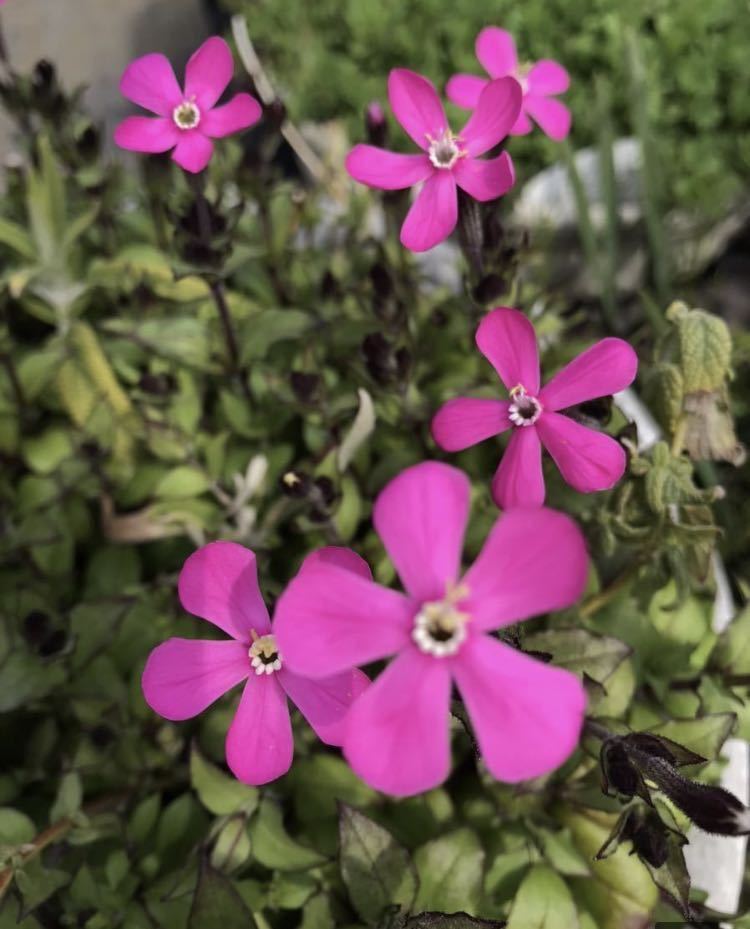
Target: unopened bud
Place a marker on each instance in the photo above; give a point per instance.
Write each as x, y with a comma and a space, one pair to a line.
376, 125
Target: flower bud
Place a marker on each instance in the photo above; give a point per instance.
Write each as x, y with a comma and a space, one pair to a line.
376, 125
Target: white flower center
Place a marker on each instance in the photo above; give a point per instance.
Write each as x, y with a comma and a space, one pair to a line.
264, 654
439, 627
186, 115
444, 151
524, 409
521, 76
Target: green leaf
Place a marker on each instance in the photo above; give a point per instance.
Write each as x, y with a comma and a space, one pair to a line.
219, 793
320, 782
38, 883
69, 797
272, 845
232, 846
45, 453
269, 327
704, 735
290, 890
16, 237
217, 904
16, 828
182, 481
562, 854
450, 871
543, 901
450, 921
377, 871
732, 652
580, 651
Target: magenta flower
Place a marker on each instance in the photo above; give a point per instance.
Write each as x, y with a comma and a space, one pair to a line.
496, 52
182, 677
447, 160
186, 120
588, 460
526, 715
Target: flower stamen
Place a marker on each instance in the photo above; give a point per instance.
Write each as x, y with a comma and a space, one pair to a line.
186, 115
439, 627
525, 409
445, 150
264, 653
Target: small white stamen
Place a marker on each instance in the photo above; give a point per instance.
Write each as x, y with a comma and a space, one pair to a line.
444, 151
264, 654
439, 627
524, 410
186, 115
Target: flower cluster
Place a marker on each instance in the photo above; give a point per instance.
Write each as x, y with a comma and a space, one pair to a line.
441, 631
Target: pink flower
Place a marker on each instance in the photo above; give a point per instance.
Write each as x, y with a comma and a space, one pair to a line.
526, 715
186, 120
182, 677
447, 160
496, 52
587, 459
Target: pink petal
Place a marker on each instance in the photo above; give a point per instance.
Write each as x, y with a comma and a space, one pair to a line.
416, 105
219, 583
465, 421
485, 180
588, 460
240, 113
325, 703
533, 561
526, 715
433, 215
150, 82
421, 518
606, 368
397, 736
147, 134
523, 125
386, 170
507, 340
496, 51
497, 110
340, 558
518, 480
208, 73
184, 676
193, 151
259, 744
465, 89
330, 619
552, 116
547, 77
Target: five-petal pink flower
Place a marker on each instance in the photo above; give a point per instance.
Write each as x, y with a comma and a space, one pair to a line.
447, 161
186, 120
496, 52
588, 460
526, 715
182, 677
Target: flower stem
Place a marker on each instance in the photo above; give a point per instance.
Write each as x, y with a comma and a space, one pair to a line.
470, 233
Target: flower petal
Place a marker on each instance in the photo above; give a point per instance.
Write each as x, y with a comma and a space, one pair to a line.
533, 561
240, 113
325, 703
416, 105
397, 736
606, 368
553, 117
339, 557
496, 51
330, 619
463, 422
485, 180
421, 518
259, 745
386, 170
184, 676
526, 715
193, 151
547, 77
496, 112
219, 583
523, 125
465, 89
147, 134
208, 72
433, 215
518, 480
507, 340
588, 460
149, 81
